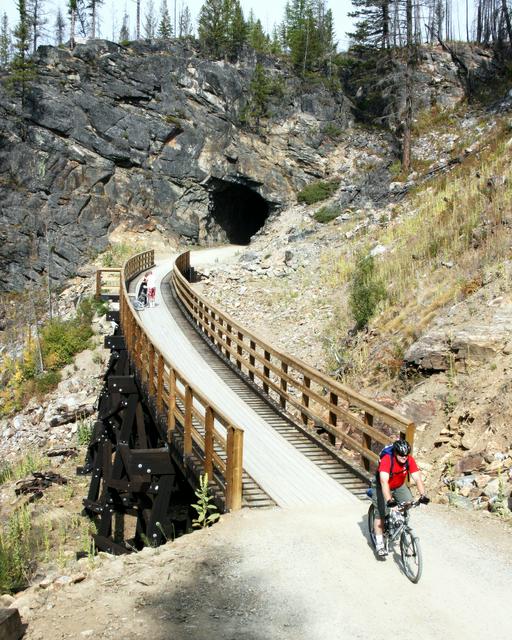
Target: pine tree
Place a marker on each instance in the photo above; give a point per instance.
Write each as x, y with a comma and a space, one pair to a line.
165, 27
93, 6
302, 34
372, 24
211, 28
150, 22
22, 68
5, 41
185, 23
256, 37
137, 21
72, 9
124, 33
275, 45
36, 19
60, 26
236, 28
82, 21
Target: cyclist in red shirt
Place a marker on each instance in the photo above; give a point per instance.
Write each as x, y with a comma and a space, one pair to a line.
389, 486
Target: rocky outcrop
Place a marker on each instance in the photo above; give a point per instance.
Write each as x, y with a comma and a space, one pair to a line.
143, 137
456, 339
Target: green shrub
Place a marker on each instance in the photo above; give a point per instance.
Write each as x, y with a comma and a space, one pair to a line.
62, 339
395, 168
59, 340
32, 461
118, 253
84, 431
326, 214
317, 191
366, 291
16, 555
332, 131
47, 381
205, 508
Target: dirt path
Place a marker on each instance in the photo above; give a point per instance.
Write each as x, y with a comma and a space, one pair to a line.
291, 574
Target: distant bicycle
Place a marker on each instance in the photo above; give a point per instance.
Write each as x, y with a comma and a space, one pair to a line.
397, 529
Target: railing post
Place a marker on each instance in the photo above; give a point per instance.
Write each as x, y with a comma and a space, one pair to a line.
159, 383
239, 350
333, 418
409, 434
266, 372
283, 385
151, 373
234, 468
212, 326
367, 440
220, 332
305, 398
228, 341
171, 407
252, 359
208, 442
98, 284
187, 435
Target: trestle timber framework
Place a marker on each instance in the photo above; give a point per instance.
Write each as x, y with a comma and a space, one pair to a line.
308, 397
133, 471
151, 422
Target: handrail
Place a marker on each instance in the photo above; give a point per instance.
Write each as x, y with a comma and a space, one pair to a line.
203, 428
308, 396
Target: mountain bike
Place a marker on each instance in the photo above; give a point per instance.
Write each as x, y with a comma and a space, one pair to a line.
397, 529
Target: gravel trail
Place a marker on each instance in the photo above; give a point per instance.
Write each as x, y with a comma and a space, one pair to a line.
288, 574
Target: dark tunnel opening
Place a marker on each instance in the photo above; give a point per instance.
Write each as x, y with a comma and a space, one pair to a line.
237, 212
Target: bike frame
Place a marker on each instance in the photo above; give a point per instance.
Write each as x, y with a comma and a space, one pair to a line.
393, 537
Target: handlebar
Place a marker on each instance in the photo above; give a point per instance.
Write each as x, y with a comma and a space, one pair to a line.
405, 506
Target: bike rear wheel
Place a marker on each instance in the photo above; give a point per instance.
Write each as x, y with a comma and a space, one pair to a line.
411, 555
371, 522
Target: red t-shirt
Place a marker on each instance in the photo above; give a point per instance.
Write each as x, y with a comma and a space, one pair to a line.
399, 474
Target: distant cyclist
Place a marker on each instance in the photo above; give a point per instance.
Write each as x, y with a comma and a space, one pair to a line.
389, 486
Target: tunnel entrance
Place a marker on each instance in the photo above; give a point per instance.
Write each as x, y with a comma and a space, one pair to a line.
236, 213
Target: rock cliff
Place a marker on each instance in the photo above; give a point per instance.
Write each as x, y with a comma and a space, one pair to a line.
147, 137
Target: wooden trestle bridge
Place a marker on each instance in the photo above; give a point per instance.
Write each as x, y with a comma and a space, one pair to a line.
189, 390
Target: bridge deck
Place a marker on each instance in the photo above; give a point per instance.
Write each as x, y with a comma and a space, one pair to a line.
282, 471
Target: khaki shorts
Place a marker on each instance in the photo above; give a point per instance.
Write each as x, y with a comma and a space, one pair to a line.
401, 494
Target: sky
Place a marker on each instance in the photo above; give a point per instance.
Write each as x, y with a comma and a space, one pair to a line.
270, 12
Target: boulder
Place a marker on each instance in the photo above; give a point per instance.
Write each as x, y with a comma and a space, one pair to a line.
470, 463
10, 624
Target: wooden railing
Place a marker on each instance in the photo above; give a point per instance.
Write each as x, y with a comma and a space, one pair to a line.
204, 431
309, 397
107, 282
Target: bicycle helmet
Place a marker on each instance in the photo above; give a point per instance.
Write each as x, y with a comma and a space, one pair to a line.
401, 448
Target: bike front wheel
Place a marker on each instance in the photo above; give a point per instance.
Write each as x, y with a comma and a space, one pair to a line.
411, 555
371, 523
